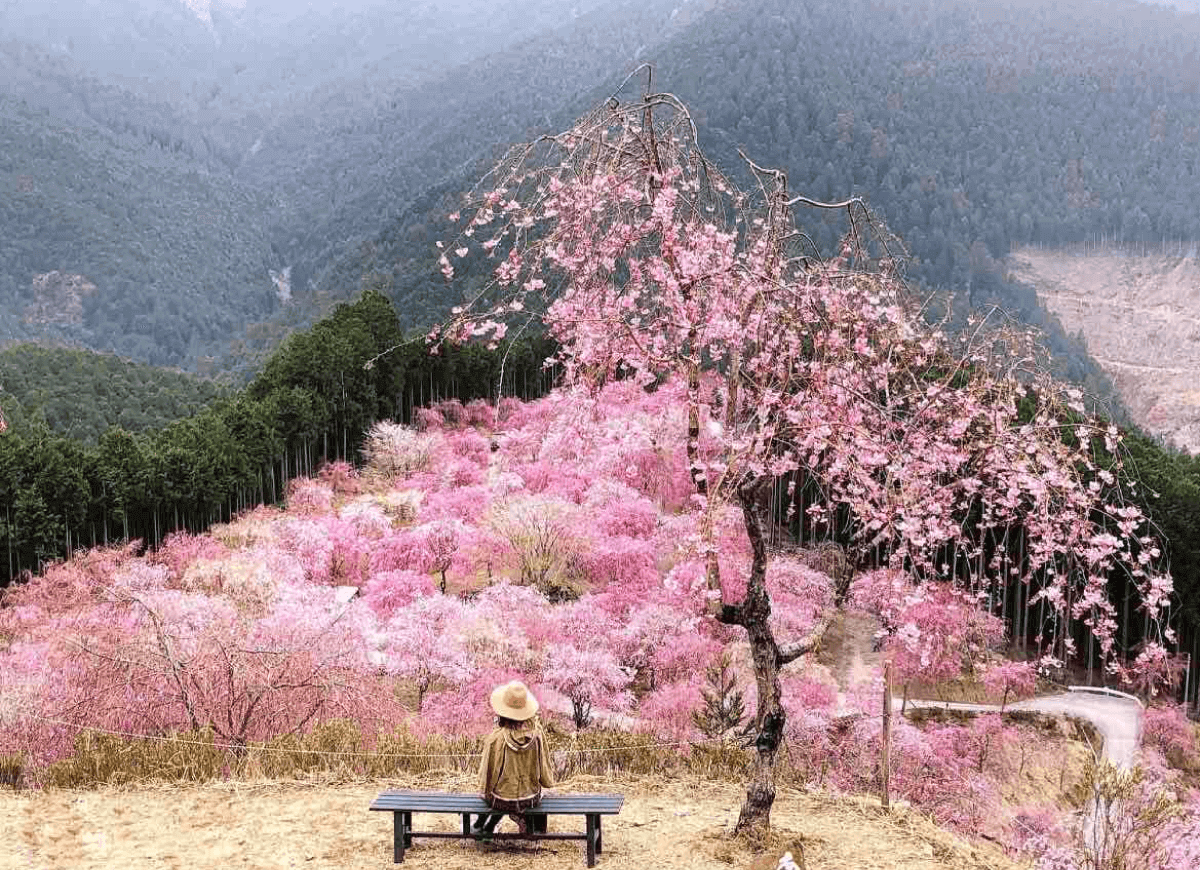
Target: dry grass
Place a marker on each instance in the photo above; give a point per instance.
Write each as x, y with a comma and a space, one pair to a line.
337, 751
667, 822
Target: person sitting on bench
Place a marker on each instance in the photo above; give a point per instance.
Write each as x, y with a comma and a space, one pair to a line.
515, 766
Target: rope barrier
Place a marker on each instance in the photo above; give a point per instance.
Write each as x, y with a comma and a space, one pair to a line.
850, 716
349, 753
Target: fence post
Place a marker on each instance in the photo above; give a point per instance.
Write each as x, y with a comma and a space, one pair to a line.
885, 765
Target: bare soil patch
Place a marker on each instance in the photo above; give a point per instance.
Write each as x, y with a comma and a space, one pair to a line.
1141, 318
327, 825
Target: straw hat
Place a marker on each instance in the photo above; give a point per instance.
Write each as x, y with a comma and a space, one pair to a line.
514, 701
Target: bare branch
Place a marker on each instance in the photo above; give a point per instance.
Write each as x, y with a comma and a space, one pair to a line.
789, 652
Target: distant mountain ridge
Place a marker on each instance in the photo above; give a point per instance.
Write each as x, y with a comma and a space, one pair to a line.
183, 157
294, 152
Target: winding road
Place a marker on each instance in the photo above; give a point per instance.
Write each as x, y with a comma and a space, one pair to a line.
1117, 717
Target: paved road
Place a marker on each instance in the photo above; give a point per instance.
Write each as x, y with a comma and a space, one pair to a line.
1118, 719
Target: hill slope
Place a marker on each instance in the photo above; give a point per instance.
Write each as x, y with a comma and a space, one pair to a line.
1140, 316
80, 394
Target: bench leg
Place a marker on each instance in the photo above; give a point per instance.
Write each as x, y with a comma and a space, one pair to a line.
399, 834
466, 824
591, 839
599, 834
408, 830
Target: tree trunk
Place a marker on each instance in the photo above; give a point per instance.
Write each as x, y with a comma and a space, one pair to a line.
753, 614
755, 817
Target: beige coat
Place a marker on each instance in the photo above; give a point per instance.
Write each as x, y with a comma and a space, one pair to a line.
515, 764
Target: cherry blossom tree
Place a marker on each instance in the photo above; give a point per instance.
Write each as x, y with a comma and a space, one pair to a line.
538, 531
941, 635
649, 264
129, 654
420, 649
392, 450
1010, 680
588, 678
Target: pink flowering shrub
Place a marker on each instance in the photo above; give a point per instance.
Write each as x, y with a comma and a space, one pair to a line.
330, 549
466, 503
522, 610
882, 593
668, 710
928, 769
180, 549
480, 414
248, 578
510, 410
156, 659
799, 595
462, 473
469, 444
940, 633
64, 588
1040, 831
403, 550
647, 630
589, 678
420, 647
812, 690
618, 559
685, 654
452, 412
389, 591
1154, 670
1010, 680
464, 710
615, 509
309, 496
367, 518
1167, 729
427, 419
341, 477
584, 622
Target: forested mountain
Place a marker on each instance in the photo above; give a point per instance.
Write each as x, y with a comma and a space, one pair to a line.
182, 181
116, 240
193, 173
81, 394
969, 128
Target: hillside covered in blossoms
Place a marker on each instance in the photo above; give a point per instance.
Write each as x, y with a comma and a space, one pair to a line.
555, 542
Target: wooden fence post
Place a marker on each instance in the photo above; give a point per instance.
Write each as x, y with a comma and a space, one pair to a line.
885, 763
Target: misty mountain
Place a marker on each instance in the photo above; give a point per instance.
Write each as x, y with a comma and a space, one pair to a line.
165, 164
969, 128
282, 139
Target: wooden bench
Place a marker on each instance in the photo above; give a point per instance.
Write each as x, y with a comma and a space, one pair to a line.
402, 803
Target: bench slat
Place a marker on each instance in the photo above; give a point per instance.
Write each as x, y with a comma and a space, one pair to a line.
556, 796
448, 802
481, 807
499, 835
475, 801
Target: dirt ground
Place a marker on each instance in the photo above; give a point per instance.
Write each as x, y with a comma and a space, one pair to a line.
315, 825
